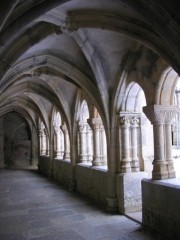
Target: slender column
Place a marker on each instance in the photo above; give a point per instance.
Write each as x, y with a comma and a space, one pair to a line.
89, 143
82, 143
98, 157
58, 143
161, 117
66, 143
125, 162
104, 145
42, 138
135, 160
170, 163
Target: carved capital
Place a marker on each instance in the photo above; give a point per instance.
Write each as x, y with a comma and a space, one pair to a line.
134, 121
160, 114
82, 126
124, 121
97, 123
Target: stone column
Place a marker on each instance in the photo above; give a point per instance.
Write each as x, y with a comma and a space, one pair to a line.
104, 145
134, 158
66, 143
161, 117
98, 142
42, 137
82, 142
47, 146
89, 143
58, 150
126, 160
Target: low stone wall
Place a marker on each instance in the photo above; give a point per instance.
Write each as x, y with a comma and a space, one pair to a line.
129, 191
92, 182
161, 207
44, 165
62, 172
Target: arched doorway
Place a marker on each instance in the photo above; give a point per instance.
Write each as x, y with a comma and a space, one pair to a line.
17, 141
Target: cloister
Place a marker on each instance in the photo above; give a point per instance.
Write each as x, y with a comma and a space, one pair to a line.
89, 94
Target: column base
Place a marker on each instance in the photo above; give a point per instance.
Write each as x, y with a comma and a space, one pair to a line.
159, 170
135, 165
170, 168
125, 166
98, 161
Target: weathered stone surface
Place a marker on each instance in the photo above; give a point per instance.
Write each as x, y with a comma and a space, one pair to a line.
129, 191
161, 208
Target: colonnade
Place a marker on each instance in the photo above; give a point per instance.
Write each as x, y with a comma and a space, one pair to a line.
128, 140
161, 117
92, 146
92, 142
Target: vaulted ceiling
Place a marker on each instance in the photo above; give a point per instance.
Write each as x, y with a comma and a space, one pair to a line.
49, 49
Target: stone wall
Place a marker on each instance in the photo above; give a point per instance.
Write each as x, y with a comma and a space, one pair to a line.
92, 182
129, 191
161, 207
62, 172
44, 165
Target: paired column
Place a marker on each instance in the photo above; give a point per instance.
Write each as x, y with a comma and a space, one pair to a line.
66, 143
134, 144
129, 124
161, 117
59, 151
83, 153
42, 137
99, 142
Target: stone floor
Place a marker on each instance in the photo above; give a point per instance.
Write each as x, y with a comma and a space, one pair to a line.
32, 207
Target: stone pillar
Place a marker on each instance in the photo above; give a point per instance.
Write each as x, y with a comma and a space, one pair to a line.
82, 142
89, 143
99, 156
66, 143
126, 160
161, 117
42, 143
47, 146
42, 138
104, 145
34, 156
134, 145
59, 146
168, 140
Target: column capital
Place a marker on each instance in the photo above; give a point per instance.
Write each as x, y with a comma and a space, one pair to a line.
160, 114
95, 123
134, 121
129, 118
82, 126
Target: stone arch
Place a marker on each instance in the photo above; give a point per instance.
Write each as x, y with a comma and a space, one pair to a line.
17, 141
139, 132
166, 87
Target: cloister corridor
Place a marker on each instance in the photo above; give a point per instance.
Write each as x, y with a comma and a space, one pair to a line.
35, 208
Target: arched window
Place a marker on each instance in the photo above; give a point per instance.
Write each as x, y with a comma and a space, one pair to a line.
176, 131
